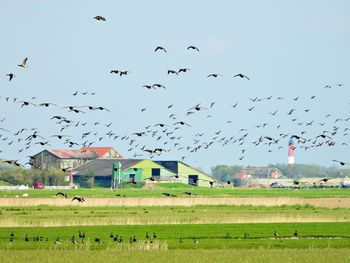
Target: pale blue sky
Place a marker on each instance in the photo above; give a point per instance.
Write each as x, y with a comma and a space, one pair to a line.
289, 49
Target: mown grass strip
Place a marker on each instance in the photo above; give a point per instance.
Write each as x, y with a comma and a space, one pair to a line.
325, 255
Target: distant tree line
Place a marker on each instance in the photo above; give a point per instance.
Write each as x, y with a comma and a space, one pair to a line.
224, 173
19, 176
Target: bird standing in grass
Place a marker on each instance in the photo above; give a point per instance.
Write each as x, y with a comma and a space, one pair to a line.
296, 233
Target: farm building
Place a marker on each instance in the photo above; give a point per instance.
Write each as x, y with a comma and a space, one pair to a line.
103, 152
140, 170
70, 158
258, 173
187, 174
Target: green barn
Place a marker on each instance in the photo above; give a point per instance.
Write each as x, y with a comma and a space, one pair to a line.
106, 172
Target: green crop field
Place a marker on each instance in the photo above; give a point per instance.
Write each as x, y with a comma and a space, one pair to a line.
180, 189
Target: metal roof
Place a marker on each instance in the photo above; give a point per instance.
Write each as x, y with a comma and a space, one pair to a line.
169, 165
74, 154
103, 166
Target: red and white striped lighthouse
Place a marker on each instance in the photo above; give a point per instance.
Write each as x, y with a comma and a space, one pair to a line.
291, 160
291, 148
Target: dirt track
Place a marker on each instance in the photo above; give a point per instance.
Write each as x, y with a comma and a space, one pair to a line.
322, 202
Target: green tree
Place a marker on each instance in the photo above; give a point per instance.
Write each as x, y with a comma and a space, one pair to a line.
224, 173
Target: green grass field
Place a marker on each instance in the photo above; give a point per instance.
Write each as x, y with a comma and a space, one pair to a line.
180, 189
195, 233
324, 255
185, 236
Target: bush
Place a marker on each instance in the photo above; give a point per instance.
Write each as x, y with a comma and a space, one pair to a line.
86, 180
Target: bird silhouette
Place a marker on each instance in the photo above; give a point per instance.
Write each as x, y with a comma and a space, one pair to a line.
341, 162
62, 194
193, 48
100, 18
11, 76
170, 71
296, 233
47, 104
160, 48
215, 75
189, 193
183, 70
241, 76
78, 198
182, 123
169, 194
157, 85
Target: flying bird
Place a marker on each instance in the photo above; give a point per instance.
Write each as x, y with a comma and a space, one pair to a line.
61, 194
100, 18
12, 162
47, 104
11, 76
24, 63
148, 86
160, 48
25, 103
193, 47
172, 72
78, 198
341, 162
181, 123
183, 70
241, 76
215, 75
158, 85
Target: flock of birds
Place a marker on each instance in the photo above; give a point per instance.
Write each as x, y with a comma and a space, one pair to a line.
81, 238
171, 134
78, 198
81, 199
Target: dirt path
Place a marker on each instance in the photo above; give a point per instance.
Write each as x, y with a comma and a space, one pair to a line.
322, 202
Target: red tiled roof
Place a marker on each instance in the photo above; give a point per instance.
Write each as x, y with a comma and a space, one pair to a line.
101, 151
74, 154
